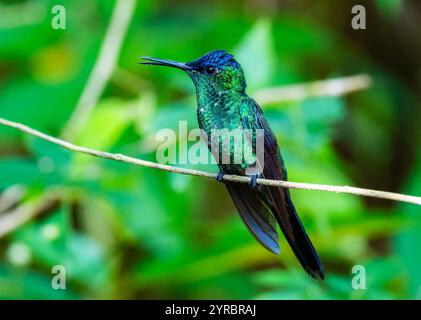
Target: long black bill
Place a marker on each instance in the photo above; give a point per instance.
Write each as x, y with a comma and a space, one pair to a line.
166, 63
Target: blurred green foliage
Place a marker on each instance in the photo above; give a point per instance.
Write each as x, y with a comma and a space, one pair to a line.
129, 232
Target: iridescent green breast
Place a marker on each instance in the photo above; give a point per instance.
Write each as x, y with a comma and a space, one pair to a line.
219, 111
220, 118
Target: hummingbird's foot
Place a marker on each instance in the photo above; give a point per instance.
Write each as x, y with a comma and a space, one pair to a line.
253, 182
220, 177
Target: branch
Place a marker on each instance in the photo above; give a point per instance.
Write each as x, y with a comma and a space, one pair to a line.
13, 219
234, 178
296, 92
104, 66
11, 196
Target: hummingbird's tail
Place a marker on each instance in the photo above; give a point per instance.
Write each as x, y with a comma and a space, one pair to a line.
261, 210
295, 234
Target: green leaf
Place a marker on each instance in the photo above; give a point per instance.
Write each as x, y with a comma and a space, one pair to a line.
256, 54
21, 171
107, 123
408, 243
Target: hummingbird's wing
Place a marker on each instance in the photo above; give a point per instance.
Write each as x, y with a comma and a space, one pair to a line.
278, 199
255, 214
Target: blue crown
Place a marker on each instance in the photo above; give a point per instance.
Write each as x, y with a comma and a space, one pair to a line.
215, 58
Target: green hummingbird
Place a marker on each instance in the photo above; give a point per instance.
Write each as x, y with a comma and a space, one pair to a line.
222, 103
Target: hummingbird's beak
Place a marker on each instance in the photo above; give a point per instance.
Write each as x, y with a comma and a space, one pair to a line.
166, 63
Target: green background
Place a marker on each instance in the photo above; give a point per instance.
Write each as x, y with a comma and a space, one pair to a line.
129, 232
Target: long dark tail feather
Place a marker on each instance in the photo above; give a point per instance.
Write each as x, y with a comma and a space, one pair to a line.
297, 237
255, 214
260, 218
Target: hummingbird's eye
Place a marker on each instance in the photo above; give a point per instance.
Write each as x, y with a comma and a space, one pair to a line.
210, 70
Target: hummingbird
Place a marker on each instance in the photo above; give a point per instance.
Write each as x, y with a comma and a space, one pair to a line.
222, 103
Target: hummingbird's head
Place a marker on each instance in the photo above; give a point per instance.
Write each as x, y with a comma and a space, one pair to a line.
217, 70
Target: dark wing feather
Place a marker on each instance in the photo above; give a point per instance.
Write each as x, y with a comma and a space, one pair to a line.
279, 200
255, 214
